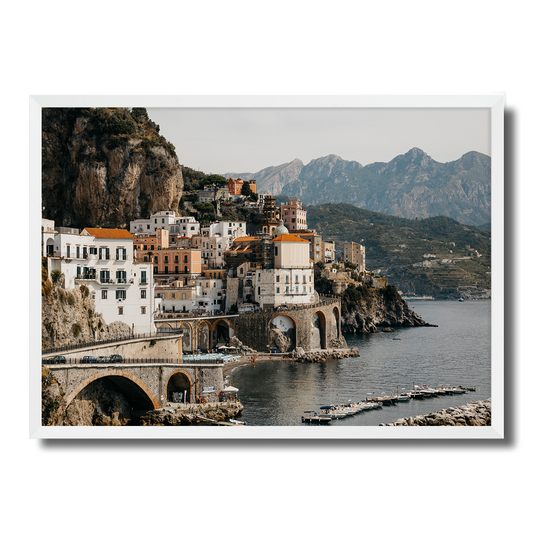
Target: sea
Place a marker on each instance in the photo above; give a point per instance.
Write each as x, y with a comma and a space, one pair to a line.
456, 353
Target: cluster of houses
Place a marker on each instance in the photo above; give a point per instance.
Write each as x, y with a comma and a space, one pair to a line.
172, 264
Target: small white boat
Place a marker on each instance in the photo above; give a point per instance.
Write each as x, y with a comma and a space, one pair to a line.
237, 422
332, 411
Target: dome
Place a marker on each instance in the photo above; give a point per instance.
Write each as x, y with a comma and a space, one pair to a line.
281, 229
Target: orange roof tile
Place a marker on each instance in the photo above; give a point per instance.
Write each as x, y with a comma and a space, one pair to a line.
106, 233
289, 238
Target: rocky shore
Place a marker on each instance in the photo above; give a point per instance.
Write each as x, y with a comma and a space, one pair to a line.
319, 356
172, 415
471, 414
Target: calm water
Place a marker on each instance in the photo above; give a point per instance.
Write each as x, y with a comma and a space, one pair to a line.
457, 353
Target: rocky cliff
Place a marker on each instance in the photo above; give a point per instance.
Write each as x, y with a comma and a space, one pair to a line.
68, 316
106, 167
376, 311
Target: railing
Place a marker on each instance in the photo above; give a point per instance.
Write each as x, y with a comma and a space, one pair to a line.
81, 345
86, 360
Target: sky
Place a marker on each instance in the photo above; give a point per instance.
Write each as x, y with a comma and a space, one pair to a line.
218, 140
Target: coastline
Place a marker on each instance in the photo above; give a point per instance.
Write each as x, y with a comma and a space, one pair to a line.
315, 356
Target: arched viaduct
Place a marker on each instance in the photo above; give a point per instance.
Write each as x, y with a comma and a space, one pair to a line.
145, 386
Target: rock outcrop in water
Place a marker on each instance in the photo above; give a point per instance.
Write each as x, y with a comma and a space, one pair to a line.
319, 356
106, 167
471, 414
376, 311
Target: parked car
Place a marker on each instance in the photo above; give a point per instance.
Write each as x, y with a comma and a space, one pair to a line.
88, 359
56, 360
103, 359
116, 359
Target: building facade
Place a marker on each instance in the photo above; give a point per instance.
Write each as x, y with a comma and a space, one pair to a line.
354, 253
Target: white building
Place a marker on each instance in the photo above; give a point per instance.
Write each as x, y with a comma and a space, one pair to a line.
103, 260
291, 280
202, 295
218, 237
161, 219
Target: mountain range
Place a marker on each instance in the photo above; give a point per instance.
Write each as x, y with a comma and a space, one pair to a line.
412, 185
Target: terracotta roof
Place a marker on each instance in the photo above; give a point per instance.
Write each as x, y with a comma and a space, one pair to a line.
284, 237
105, 233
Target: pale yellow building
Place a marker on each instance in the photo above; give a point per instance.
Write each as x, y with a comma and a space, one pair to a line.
354, 253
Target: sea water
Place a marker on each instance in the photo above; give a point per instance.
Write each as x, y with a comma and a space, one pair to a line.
456, 353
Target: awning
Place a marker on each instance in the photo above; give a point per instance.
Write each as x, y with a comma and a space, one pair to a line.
230, 389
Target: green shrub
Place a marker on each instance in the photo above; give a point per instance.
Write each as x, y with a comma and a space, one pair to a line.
56, 275
76, 329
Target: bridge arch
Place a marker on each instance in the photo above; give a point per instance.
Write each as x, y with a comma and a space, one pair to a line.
135, 390
318, 331
223, 330
180, 382
336, 323
283, 332
187, 338
203, 336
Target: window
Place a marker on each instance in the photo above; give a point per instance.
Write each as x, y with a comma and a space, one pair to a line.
297, 290
296, 278
152, 247
156, 259
276, 251
166, 258
68, 250
186, 259
156, 270
121, 310
183, 296
143, 294
277, 290
143, 275
104, 294
121, 276
277, 279
104, 276
120, 294
286, 279
77, 252
143, 310
176, 259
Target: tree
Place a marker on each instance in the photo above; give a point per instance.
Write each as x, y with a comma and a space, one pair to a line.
246, 189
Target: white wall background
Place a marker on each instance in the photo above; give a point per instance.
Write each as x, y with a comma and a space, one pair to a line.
311, 47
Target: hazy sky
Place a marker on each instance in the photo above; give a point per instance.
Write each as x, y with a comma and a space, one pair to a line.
217, 140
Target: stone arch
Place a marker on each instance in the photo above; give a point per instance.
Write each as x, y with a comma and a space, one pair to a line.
50, 246
223, 330
187, 337
318, 331
180, 382
133, 388
165, 326
336, 323
203, 336
283, 332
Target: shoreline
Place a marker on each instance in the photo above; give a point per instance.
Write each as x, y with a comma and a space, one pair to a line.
261, 357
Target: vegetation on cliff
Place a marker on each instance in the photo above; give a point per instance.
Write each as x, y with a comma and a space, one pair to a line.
106, 167
68, 316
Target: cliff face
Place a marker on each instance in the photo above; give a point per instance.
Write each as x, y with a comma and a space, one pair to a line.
105, 167
68, 317
376, 312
